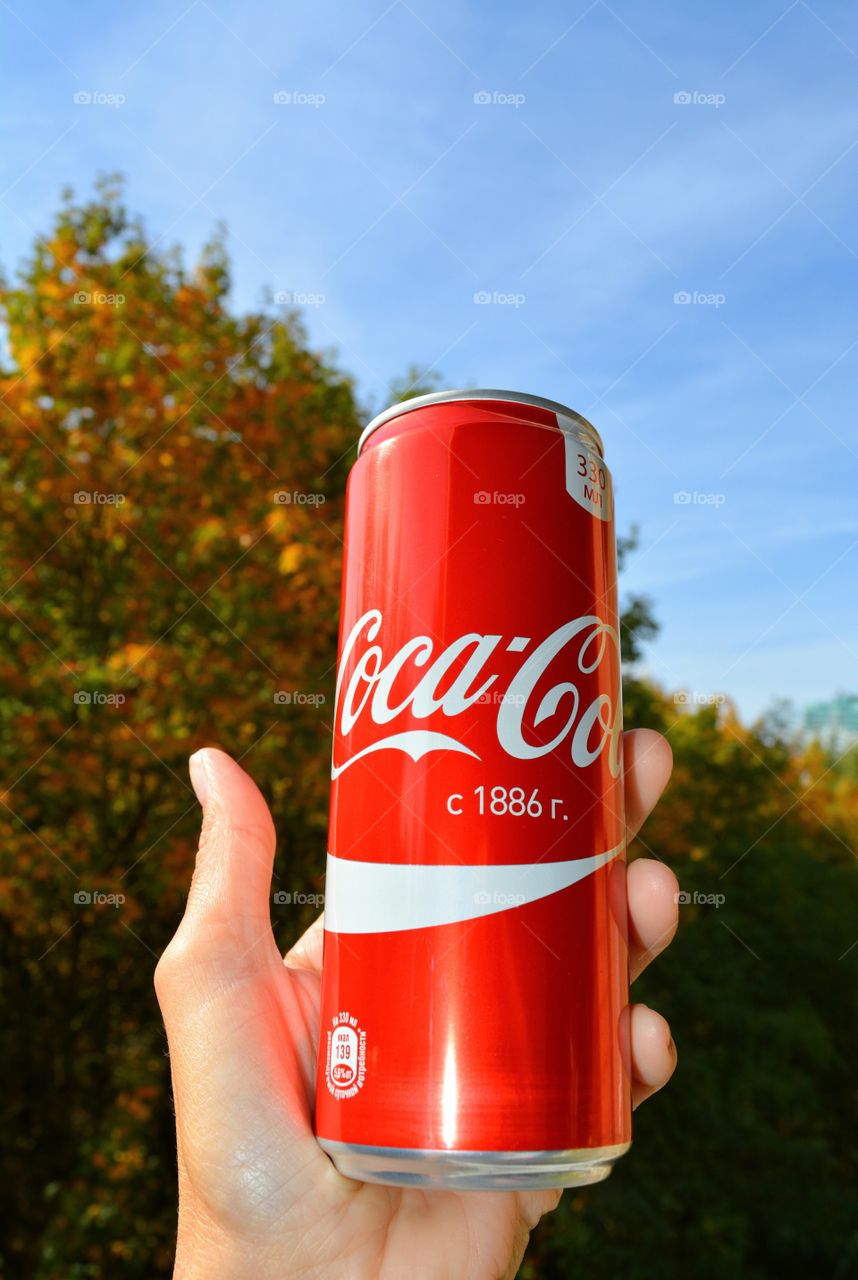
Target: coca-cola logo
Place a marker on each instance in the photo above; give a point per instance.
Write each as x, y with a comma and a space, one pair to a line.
417, 683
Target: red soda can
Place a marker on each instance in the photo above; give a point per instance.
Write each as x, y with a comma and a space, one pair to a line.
474, 1010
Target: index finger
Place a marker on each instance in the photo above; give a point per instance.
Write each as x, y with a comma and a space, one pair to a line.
648, 761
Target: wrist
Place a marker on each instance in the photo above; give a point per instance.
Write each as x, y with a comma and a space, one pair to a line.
204, 1252
207, 1251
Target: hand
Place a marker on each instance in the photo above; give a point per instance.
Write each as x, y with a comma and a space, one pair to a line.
257, 1196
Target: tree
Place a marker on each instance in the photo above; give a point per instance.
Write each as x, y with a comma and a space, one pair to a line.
416, 381
746, 1165
170, 521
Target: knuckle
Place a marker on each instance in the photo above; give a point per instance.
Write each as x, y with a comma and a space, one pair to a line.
175, 961
210, 956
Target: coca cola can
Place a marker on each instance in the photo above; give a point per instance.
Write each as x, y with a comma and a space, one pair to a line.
474, 1006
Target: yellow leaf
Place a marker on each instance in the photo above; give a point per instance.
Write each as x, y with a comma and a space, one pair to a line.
291, 558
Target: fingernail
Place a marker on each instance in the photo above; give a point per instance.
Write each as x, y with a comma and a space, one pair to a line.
199, 775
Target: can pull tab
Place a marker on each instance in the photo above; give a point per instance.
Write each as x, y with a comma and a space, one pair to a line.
588, 480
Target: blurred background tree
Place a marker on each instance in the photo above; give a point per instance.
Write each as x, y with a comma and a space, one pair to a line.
746, 1165
170, 522
416, 381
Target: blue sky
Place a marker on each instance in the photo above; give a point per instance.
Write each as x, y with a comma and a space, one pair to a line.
583, 197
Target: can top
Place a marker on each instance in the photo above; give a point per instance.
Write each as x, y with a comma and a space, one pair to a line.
567, 419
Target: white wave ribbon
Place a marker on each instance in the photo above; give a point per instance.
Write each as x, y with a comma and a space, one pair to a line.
414, 742
388, 897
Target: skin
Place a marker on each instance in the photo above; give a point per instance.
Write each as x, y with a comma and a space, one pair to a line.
257, 1196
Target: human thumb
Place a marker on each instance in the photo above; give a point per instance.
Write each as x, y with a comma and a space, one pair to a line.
227, 923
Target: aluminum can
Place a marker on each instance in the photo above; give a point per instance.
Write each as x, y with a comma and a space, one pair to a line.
474, 1005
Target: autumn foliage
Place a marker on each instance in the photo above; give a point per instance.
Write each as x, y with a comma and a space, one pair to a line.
171, 488
172, 480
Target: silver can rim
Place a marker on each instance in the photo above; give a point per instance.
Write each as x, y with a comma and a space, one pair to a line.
432, 1169
577, 423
